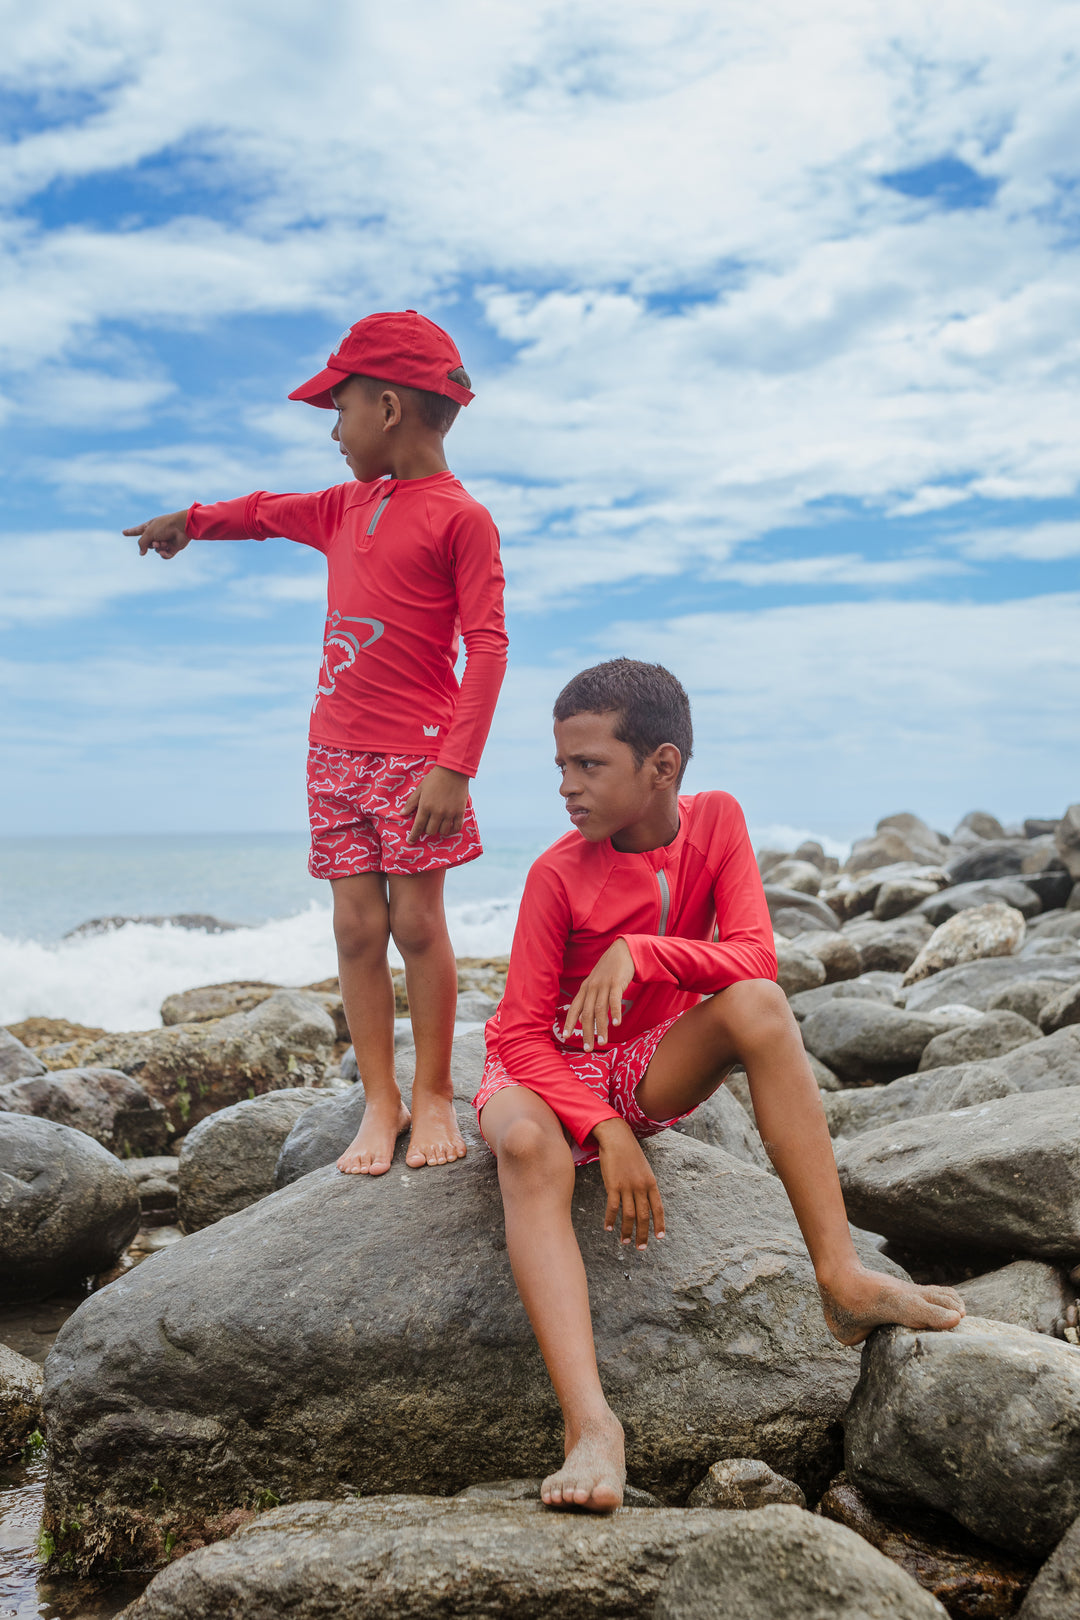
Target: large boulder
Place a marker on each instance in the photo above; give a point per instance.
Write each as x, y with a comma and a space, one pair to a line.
938, 908
900, 895
107, 1104
67, 1209
782, 1563
982, 1423
853, 893
860, 989
721, 1121
888, 947
195, 1069
987, 1037
1055, 1591
17, 1062
867, 1041
228, 1161
797, 970
977, 983
20, 1400
837, 955
977, 824
361, 1333
991, 930
1045, 1065
1027, 997
1028, 1293
1062, 1011
1067, 840
424, 1558
792, 911
996, 858
1003, 1176
902, 837
803, 876
215, 1001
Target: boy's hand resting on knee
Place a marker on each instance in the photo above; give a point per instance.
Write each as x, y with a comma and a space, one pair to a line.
599, 1000
437, 805
630, 1183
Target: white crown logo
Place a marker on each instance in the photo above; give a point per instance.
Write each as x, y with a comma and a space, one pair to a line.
431, 731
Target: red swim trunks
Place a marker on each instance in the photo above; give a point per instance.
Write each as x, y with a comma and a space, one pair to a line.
613, 1075
356, 804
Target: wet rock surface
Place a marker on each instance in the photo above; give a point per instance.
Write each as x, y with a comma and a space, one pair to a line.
196, 1069
781, 1563
20, 1399
422, 1559
300, 1347
228, 1161
982, 1423
67, 1209
106, 1104
156, 1181
1055, 1592
970, 1579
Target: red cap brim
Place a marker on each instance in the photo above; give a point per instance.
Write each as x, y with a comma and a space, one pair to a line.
316, 391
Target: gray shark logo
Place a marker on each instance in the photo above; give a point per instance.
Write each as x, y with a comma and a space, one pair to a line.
341, 648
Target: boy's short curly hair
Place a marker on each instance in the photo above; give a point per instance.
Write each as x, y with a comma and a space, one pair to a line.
436, 411
651, 705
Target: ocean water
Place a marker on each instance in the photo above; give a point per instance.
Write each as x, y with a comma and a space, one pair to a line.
118, 979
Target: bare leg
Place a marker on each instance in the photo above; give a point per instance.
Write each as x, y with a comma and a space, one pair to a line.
418, 924
752, 1023
536, 1176
362, 931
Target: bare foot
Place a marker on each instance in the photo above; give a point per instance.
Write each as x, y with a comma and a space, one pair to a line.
371, 1151
864, 1300
594, 1472
435, 1137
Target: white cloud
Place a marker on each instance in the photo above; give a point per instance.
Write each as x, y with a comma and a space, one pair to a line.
65, 574
1037, 542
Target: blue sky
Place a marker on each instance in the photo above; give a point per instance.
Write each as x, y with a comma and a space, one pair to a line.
773, 316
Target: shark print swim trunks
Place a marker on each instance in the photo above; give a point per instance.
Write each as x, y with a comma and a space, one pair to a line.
356, 804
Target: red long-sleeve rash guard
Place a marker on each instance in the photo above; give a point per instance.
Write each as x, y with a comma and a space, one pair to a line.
411, 564
666, 904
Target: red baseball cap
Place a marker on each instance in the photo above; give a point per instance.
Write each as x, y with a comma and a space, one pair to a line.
400, 346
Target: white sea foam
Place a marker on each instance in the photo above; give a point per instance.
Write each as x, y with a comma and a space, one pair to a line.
118, 980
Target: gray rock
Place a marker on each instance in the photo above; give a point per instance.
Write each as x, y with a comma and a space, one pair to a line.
1062, 1011
781, 1563
865, 1041
987, 1037
934, 1091
104, 1103
982, 1423
991, 930
802, 876
1067, 840
1028, 1293
808, 1001
156, 1181
20, 1400
215, 1001
228, 1161
745, 1483
473, 1007
852, 894
977, 982
901, 895
997, 859
981, 824
810, 850
296, 1346
423, 1558
1027, 997
1064, 924
898, 838
965, 896
196, 1069
838, 956
1002, 1176
797, 970
889, 946
67, 1210
1039, 826
1053, 885
812, 909
722, 1122
17, 1062
1054, 1594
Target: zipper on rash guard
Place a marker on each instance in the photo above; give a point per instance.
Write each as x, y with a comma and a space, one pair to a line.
665, 901
377, 514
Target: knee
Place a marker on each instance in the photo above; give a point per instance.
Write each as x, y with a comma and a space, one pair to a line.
755, 1013
359, 931
524, 1147
415, 929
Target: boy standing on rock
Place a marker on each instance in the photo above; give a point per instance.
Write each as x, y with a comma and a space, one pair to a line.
412, 561
603, 1037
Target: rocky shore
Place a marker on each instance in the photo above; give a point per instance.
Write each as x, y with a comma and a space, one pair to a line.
286, 1391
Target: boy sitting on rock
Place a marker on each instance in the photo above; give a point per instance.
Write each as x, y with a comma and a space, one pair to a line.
412, 560
603, 1037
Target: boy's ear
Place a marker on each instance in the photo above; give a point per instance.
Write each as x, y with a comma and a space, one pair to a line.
666, 763
390, 407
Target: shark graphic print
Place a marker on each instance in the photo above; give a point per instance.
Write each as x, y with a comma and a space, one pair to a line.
341, 648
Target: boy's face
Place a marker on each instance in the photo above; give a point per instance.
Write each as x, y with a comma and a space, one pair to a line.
360, 429
605, 789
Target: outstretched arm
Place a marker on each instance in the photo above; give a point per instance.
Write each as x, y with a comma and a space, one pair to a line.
166, 535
